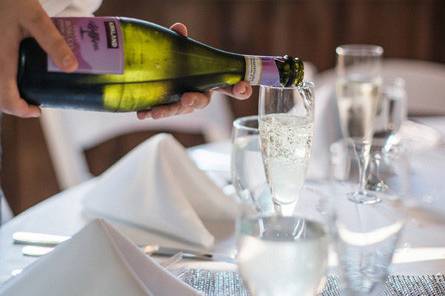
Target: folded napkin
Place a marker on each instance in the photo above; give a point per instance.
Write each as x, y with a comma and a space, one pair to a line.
157, 187
98, 260
418, 136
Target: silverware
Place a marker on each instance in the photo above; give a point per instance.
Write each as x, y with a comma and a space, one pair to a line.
39, 244
38, 239
38, 251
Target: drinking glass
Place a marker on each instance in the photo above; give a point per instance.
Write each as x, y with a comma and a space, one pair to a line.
286, 118
388, 170
389, 167
247, 169
282, 255
391, 112
358, 95
365, 235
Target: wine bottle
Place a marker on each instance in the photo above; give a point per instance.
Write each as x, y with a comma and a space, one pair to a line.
127, 64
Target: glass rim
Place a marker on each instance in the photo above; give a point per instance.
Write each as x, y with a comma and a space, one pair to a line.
304, 85
359, 50
238, 123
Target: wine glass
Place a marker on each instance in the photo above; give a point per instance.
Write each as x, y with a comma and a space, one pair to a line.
247, 169
286, 118
391, 113
358, 95
282, 255
388, 167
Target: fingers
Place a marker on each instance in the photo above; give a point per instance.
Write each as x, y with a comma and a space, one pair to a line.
164, 111
189, 102
40, 26
241, 91
195, 100
11, 103
180, 29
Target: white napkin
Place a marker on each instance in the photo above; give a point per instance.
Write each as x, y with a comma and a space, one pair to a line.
418, 136
158, 187
98, 260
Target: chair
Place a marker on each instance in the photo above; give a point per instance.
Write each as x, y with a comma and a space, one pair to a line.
5, 210
425, 88
70, 132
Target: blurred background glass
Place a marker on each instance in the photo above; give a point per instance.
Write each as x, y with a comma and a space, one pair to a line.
358, 91
365, 236
391, 112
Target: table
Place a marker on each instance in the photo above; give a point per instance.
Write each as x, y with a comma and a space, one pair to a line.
62, 214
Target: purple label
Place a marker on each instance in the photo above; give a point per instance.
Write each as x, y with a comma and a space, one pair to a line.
269, 72
96, 42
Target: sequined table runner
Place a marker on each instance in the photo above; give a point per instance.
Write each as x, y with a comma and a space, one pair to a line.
229, 283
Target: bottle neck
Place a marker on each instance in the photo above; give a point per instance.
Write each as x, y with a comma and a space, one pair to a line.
261, 70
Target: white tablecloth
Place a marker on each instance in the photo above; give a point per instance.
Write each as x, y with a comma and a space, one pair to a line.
62, 215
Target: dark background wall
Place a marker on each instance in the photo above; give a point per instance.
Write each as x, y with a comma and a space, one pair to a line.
310, 29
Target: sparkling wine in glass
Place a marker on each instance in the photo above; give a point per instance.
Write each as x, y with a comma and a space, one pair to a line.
286, 129
358, 95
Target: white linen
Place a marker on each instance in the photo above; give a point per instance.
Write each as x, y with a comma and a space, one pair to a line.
61, 214
158, 187
70, 7
96, 261
418, 137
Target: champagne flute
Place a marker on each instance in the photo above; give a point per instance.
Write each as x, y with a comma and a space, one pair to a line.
286, 129
358, 94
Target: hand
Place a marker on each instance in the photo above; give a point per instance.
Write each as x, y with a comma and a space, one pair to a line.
194, 100
20, 19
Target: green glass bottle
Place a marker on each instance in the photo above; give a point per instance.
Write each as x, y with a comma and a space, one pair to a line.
128, 65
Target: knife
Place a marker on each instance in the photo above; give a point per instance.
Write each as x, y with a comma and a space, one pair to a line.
39, 244
39, 239
38, 251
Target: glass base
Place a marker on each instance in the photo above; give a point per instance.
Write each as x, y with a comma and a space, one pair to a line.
284, 209
379, 186
364, 197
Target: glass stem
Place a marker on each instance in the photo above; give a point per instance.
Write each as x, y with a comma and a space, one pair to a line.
363, 167
362, 150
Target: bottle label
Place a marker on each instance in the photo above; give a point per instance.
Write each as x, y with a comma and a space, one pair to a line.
262, 70
95, 41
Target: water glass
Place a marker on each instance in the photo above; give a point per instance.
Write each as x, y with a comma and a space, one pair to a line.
365, 235
358, 94
282, 255
286, 129
247, 167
